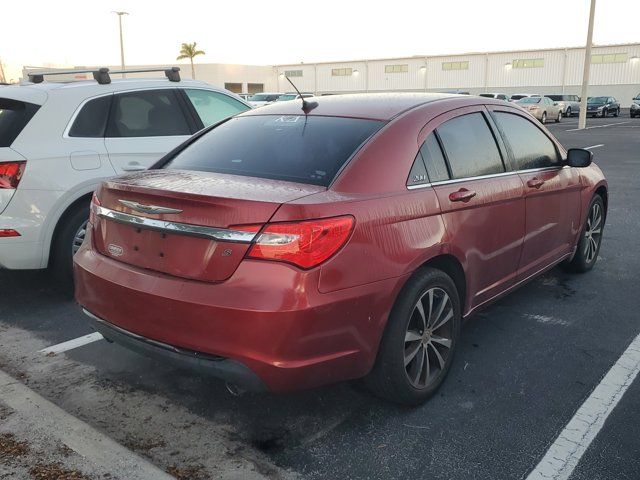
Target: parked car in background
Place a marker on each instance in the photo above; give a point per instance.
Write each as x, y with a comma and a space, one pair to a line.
58, 141
543, 108
569, 104
261, 99
289, 248
519, 96
285, 97
497, 96
602, 106
634, 109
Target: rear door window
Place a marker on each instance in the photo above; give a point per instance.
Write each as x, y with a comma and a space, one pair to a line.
91, 121
434, 159
14, 116
212, 107
530, 147
297, 148
151, 113
470, 147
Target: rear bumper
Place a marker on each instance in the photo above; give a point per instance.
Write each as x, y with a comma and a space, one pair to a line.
269, 318
219, 367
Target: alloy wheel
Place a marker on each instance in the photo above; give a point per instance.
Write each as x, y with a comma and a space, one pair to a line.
78, 238
593, 233
429, 337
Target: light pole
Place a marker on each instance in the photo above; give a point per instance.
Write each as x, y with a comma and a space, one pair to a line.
582, 119
120, 14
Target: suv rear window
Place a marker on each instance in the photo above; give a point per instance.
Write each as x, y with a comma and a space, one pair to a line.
297, 148
14, 116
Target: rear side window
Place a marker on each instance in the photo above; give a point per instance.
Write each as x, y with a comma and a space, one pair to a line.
213, 106
14, 116
151, 113
434, 160
91, 121
470, 146
531, 148
297, 148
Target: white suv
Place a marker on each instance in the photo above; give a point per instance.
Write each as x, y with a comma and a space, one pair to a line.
58, 141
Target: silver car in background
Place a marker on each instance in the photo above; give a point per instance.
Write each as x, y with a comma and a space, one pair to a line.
543, 108
498, 96
569, 104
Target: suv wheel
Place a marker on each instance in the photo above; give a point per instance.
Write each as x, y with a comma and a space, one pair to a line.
568, 114
419, 342
69, 237
616, 113
605, 113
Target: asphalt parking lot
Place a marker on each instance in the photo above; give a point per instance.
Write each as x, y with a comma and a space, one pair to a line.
525, 366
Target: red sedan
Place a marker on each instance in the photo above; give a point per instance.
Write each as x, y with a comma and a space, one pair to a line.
305, 243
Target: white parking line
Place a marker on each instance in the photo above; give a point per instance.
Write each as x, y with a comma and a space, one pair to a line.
43, 416
565, 453
598, 126
71, 344
594, 146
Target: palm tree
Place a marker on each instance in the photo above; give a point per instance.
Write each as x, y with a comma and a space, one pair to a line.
188, 50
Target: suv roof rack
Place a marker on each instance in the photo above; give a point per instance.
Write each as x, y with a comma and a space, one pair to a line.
102, 75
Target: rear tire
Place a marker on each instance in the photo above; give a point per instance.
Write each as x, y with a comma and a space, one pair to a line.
62, 248
605, 113
559, 116
543, 120
416, 350
568, 114
590, 241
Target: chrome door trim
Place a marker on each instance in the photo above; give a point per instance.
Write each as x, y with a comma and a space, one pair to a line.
213, 233
482, 177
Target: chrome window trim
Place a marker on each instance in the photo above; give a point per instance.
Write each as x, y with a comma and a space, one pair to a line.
212, 233
482, 177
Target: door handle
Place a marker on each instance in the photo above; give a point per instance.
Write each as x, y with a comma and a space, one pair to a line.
535, 183
462, 195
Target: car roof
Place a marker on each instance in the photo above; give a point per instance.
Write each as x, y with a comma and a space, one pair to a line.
39, 92
375, 106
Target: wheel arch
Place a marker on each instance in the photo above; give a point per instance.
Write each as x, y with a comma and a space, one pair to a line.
84, 198
450, 265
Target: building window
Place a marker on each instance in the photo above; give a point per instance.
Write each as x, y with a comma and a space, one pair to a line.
293, 73
455, 65
609, 58
396, 68
528, 63
341, 72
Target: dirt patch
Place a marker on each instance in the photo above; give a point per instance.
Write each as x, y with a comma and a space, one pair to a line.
192, 472
11, 448
55, 471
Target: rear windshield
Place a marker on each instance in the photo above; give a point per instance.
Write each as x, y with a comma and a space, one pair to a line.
263, 97
487, 95
297, 148
556, 98
530, 100
517, 97
14, 116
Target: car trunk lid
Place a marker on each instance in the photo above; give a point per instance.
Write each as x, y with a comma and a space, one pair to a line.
186, 224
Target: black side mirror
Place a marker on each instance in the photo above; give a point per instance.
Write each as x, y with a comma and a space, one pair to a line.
579, 157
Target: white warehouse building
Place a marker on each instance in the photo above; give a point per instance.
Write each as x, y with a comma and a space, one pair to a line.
615, 71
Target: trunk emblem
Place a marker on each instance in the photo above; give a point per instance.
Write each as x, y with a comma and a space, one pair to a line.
139, 207
115, 250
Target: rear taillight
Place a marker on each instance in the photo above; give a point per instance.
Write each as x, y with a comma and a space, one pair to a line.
304, 244
93, 209
8, 232
11, 173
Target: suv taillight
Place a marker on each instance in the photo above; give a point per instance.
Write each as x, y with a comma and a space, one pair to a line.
11, 173
305, 244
